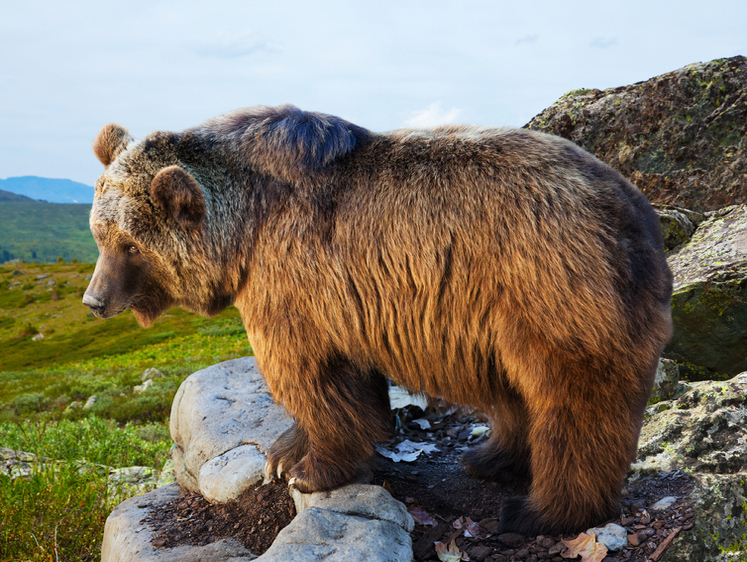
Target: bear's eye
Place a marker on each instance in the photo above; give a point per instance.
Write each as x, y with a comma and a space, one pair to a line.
132, 249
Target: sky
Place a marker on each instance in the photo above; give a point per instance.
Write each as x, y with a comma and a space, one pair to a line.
68, 68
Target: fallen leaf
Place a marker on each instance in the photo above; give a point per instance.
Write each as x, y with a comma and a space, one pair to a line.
407, 451
420, 516
473, 530
586, 547
423, 423
450, 553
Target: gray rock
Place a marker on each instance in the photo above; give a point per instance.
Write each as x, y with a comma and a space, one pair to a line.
663, 503
319, 534
218, 409
151, 373
667, 381
225, 477
126, 539
720, 521
142, 387
362, 500
167, 475
131, 480
704, 433
676, 226
704, 430
613, 536
90, 402
709, 306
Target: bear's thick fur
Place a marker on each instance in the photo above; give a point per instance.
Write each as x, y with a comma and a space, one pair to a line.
504, 269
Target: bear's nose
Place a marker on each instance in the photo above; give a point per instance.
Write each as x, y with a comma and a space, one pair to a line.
93, 303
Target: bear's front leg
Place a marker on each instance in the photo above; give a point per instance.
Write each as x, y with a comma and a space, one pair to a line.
339, 414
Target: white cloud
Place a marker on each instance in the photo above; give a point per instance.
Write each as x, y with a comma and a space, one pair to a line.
433, 115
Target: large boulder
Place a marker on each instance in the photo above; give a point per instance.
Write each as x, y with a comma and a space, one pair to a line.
223, 420
680, 136
704, 433
709, 304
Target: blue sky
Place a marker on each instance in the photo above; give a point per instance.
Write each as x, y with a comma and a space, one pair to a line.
67, 68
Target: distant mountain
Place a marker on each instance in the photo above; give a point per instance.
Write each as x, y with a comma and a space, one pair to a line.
6, 196
46, 189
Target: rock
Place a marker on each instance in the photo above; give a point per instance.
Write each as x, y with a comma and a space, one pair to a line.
709, 306
704, 433
663, 503
42, 276
720, 521
151, 373
167, 475
678, 136
704, 430
51, 283
128, 540
90, 402
226, 477
667, 381
131, 480
18, 463
142, 387
362, 500
74, 405
677, 225
320, 534
38, 337
613, 536
17, 272
218, 409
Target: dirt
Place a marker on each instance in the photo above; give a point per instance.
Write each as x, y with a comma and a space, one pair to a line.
254, 519
435, 485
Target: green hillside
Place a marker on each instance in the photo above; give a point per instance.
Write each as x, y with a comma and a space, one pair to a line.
38, 231
78, 355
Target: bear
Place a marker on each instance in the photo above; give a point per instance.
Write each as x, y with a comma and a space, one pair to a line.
499, 268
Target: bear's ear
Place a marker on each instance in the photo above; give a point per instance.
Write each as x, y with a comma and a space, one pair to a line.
179, 194
111, 140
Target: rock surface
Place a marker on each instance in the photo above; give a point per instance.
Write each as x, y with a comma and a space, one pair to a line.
219, 409
216, 412
680, 137
128, 540
704, 432
709, 304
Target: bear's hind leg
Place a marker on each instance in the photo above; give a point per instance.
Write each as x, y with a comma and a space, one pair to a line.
583, 435
346, 411
505, 456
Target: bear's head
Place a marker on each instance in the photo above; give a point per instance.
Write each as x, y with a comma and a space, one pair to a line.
147, 219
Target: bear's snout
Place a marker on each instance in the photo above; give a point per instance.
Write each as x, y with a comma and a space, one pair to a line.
96, 305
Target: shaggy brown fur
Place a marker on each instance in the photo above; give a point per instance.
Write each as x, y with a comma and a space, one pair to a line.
503, 269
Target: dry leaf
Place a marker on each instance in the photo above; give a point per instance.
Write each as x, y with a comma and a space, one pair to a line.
450, 553
473, 530
586, 547
420, 516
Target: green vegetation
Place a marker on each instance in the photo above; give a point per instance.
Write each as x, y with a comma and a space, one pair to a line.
60, 508
44, 232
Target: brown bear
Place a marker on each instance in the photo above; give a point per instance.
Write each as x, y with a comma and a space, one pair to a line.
504, 269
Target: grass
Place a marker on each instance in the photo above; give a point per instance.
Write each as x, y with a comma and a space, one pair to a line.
34, 230
59, 510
